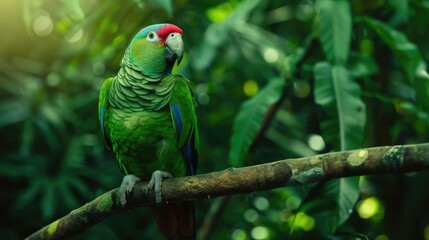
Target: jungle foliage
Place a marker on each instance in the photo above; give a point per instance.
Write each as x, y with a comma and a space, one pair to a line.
273, 80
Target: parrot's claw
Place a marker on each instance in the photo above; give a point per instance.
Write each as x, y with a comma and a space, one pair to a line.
156, 182
126, 187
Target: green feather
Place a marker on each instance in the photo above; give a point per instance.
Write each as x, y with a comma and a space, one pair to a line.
137, 123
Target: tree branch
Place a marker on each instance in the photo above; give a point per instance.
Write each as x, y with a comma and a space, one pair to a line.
377, 160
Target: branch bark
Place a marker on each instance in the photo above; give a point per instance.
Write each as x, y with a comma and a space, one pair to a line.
288, 172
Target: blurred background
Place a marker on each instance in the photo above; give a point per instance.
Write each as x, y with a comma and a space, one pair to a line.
259, 70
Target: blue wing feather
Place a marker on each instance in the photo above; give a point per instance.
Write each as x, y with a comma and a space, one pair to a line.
177, 117
101, 118
187, 149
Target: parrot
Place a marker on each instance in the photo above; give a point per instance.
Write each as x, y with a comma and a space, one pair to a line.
148, 119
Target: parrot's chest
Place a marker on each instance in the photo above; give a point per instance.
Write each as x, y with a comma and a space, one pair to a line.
144, 129
143, 141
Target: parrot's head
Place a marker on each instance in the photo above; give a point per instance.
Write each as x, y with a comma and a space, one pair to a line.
156, 48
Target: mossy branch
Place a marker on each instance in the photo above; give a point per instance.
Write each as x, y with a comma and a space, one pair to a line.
288, 172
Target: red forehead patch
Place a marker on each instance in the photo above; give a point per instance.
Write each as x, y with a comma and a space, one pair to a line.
167, 29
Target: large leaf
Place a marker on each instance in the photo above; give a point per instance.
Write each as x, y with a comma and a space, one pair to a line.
401, 7
218, 33
335, 91
362, 66
335, 28
345, 192
167, 5
406, 52
74, 9
249, 119
339, 95
408, 55
332, 202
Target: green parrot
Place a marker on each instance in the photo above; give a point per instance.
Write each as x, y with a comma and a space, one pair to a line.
148, 117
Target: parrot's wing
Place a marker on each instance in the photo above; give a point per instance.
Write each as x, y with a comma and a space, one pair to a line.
184, 116
103, 107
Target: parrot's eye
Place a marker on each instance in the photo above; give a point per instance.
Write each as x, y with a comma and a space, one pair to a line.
152, 37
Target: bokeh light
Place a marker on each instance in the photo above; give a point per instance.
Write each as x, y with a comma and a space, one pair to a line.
382, 237
316, 142
366, 46
302, 89
250, 88
260, 232
304, 221
293, 202
271, 55
74, 35
220, 12
202, 95
261, 203
43, 25
369, 207
251, 215
98, 68
426, 232
239, 234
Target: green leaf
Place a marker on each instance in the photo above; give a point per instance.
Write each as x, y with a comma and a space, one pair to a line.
166, 5
362, 66
13, 116
345, 192
335, 91
80, 186
332, 202
249, 119
74, 9
406, 51
421, 86
401, 7
335, 28
408, 55
261, 41
66, 195
29, 195
217, 34
30, 9
214, 37
48, 201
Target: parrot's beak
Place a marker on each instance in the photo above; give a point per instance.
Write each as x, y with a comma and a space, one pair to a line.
174, 47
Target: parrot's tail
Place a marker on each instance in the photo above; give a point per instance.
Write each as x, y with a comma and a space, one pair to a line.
176, 221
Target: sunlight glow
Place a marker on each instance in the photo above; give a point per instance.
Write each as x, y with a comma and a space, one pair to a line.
304, 221
369, 207
260, 233
293, 202
203, 98
271, 55
382, 237
316, 142
426, 232
239, 234
219, 13
98, 68
43, 25
251, 215
250, 88
74, 36
261, 203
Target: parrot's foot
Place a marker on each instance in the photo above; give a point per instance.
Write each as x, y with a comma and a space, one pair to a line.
156, 182
126, 187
